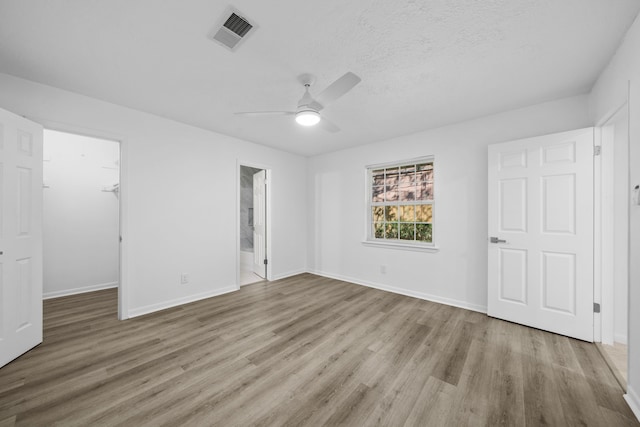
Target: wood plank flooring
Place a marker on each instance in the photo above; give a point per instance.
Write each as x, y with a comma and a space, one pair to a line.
303, 351
616, 357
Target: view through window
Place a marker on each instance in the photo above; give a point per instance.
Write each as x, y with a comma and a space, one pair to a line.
401, 202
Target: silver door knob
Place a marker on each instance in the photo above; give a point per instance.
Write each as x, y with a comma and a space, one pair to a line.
496, 240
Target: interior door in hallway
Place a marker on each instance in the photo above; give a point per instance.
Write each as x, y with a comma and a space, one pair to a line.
259, 223
540, 256
20, 236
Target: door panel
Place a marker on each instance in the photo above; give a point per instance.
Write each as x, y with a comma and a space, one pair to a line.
513, 275
540, 271
559, 282
20, 235
513, 205
558, 204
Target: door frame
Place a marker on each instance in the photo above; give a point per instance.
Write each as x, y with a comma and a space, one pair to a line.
267, 169
604, 225
123, 282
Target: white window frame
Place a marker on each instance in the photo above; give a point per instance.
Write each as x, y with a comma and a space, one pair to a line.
369, 239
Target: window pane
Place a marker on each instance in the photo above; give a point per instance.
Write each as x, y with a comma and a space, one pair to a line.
392, 193
378, 194
377, 177
407, 194
377, 213
424, 191
407, 175
425, 172
391, 213
424, 213
407, 213
424, 232
391, 230
407, 231
392, 176
378, 230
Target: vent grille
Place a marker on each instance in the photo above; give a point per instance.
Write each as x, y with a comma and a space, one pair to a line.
238, 25
232, 29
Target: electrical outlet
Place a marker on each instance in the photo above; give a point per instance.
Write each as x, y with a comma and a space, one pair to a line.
184, 278
383, 269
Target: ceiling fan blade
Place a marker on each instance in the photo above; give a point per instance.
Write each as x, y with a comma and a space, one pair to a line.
338, 88
328, 125
265, 113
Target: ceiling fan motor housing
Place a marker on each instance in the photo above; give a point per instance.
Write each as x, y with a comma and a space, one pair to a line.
306, 100
307, 117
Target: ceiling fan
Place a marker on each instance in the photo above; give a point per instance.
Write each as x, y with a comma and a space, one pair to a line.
308, 111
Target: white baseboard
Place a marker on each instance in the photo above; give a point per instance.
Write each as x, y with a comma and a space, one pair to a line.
620, 339
289, 274
406, 292
74, 291
633, 400
428, 297
179, 301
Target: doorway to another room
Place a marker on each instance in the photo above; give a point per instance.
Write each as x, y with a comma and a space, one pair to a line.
81, 224
253, 225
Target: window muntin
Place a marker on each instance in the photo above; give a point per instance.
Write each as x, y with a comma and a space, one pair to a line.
401, 202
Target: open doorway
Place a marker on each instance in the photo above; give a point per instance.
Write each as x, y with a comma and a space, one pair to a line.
615, 242
81, 205
252, 225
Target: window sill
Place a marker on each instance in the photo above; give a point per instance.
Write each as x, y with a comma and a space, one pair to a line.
401, 246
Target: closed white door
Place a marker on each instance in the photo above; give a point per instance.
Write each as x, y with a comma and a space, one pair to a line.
20, 236
540, 261
259, 223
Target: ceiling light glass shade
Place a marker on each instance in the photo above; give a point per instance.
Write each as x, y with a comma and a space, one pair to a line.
307, 117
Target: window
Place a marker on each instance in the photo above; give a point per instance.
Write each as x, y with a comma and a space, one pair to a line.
401, 203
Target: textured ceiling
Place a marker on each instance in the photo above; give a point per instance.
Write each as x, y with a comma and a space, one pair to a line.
422, 63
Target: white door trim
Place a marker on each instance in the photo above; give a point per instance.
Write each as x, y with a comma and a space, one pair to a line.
267, 169
259, 223
604, 323
123, 282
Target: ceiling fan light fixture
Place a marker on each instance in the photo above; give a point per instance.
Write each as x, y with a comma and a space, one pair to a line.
307, 117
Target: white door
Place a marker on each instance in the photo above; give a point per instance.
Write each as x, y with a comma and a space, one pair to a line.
540, 267
20, 236
259, 223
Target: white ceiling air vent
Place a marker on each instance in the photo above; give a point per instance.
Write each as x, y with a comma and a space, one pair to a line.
232, 30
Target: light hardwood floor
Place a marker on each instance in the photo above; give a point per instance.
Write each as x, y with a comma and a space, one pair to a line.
616, 356
303, 351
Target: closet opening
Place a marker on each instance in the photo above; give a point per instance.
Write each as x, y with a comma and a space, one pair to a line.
81, 215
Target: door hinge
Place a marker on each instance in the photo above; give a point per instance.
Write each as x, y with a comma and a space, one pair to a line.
597, 149
596, 307
265, 261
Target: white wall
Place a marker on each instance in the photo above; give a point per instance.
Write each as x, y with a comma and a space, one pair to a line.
457, 274
179, 195
80, 221
610, 91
